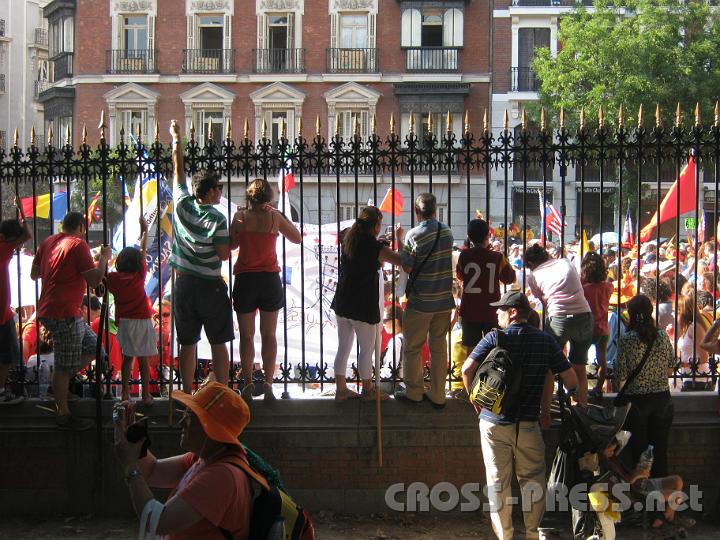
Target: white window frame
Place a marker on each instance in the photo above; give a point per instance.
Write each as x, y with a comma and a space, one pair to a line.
347, 117
351, 98
347, 211
124, 99
205, 116
293, 9
277, 97
129, 124
412, 22
125, 28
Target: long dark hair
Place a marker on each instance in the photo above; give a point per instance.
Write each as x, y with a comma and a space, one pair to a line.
364, 224
640, 310
593, 268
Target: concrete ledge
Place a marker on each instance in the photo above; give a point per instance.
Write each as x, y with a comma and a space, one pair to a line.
326, 452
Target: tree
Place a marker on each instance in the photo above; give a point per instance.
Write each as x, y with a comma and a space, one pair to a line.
630, 53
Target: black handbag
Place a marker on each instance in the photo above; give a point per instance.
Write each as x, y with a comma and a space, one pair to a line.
621, 399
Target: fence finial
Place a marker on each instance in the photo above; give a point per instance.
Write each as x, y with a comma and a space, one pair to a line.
467, 121
356, 126
601, 117
139, 134
621, 117
51, 135
192, 131
32, 136
102, 126
640, 116
16, 137
562, 117
697, 114
582, 118
246, 129
300, 126
283, 128
392, 123
506, 121
448, 123
84, 134
263, 130
717, 114
228, 129
337, 124
373, 124
430, 122
678, 116
658, 116
317, 125
209, 131
157, 132
68, 135
523, 119
542, 119
411, 123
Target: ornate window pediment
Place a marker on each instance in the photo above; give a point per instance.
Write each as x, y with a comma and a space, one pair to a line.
130, 105
133, 6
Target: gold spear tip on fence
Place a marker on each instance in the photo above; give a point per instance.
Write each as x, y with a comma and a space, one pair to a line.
337, 124
84, 134
209, 131
658, 117
68, 135
582, 117
411, 123
263, 130
448, 122
32, 135
523, 119
373, 124
506, 121
621, 117
317, 125
601, 117
139, 134
157, 132
228, 129
430, 122
101, 125
467, 121
562, 117
246, 129
697, 114
678, 116
717, 114
542, 119
192, 131
356, 126
283, 128
640, 116
392, 123
16, 138
51, 135
300, 126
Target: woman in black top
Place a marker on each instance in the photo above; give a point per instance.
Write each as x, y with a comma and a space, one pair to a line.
357, 298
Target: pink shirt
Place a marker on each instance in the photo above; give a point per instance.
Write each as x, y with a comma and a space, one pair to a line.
557, 284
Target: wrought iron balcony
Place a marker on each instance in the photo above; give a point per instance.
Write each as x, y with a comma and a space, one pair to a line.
352, 60
430, 59
279, 60
120, 61
523, 79
40, 87
63, 65
41, 37
208, 61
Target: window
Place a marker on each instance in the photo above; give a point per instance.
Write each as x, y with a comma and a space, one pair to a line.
210, 32
432, 28
347, 212
442, 213
209, 122
134, 33
61, 36
353, 31
132, 120
277, 44
346, 123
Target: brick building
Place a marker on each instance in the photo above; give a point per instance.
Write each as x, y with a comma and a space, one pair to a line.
207, 61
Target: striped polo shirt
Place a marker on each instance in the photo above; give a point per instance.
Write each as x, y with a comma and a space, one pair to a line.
197, 229
432, 290
539, 352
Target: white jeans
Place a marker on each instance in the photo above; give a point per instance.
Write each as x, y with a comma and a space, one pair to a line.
347, 330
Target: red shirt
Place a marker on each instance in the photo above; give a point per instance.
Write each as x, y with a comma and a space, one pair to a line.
6, 253
62, 260
598, 297
128, 289
481, 270
29, 339
257, 252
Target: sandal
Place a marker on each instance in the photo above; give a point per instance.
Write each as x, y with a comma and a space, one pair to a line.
370, 396
268, 394
346, 394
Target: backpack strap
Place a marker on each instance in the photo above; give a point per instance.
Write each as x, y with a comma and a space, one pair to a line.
247, 469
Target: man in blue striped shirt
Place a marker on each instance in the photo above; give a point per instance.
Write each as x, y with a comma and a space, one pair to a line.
427, 256
514, 438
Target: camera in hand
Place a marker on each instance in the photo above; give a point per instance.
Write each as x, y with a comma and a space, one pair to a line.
136, 432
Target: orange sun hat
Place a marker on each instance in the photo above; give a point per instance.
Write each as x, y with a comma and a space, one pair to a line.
223, 414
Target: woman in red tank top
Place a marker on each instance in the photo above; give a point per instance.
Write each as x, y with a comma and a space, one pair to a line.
257, 286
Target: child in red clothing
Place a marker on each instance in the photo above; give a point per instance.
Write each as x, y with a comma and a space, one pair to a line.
133, 314
597, 291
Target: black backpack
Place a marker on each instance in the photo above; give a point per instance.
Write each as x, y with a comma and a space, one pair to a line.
497, 382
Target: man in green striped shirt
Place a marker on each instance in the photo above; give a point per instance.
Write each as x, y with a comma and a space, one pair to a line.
200, 243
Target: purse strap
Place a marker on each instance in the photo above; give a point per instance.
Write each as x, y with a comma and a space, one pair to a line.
638, 368
413, 274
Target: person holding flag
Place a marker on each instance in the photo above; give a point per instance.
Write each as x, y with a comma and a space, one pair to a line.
257, 284
201, 241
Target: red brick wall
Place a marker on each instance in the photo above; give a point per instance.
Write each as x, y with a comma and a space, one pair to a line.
502, 55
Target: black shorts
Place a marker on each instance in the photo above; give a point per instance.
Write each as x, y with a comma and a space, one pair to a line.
473, 332
9, 346
198, 303
258, 290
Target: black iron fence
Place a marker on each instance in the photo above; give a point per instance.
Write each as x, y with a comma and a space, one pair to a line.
470, 172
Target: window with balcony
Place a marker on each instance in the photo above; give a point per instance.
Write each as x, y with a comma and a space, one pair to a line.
529, 40
61, 45
277, 50
134, 53
352, 43
432, 38
209, 49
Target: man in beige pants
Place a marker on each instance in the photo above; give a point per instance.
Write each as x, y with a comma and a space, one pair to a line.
513, 437
427, 256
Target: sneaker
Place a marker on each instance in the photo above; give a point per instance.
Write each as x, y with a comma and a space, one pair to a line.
69, 422
268, 394
8, 398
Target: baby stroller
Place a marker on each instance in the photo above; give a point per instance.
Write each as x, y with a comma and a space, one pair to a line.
574, 485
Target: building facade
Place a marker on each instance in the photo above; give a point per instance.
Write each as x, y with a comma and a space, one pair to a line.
24, 69
274, 61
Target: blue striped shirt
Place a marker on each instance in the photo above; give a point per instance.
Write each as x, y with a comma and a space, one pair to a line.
539, 352
432, 289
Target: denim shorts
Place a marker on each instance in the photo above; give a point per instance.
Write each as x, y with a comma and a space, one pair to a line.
577, 329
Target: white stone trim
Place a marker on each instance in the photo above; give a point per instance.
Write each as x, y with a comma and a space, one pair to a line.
277, 96
118, 7
206, 96
193, 7
344, 6
129, 96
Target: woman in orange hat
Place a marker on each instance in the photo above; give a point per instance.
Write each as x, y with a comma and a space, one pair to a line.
211, 496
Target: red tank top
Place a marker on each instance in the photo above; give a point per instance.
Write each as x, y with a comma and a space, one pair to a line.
257, 252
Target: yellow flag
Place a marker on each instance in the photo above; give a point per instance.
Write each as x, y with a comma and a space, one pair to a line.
585, 244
